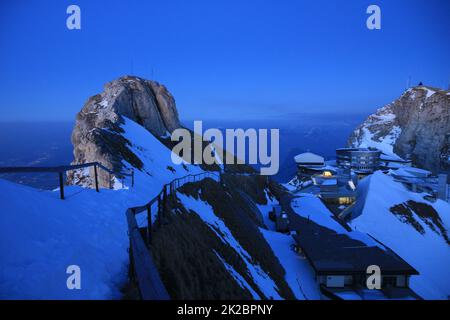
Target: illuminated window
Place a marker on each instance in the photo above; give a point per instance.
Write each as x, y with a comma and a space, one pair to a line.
327, 174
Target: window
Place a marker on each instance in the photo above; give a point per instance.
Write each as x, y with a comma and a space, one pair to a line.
389, 282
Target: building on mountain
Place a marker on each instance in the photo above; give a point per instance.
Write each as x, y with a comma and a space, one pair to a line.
421, 180
363, 161
340, 262
309, 159
393, 162
337, 187
309, 164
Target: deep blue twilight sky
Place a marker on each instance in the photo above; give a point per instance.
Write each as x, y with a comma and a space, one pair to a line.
233, 59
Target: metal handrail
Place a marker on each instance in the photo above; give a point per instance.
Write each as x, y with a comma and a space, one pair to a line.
141, 261
62, 169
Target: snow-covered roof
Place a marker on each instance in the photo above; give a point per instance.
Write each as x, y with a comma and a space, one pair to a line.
412, 172
391, 157
308, 157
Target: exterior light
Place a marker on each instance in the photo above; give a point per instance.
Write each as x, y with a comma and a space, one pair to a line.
327, 174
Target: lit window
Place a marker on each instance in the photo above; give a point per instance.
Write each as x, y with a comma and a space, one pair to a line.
327, 174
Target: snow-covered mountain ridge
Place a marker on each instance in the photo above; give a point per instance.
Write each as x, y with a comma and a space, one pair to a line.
416, 126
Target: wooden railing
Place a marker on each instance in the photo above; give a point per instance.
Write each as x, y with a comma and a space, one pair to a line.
142, 267
63, 169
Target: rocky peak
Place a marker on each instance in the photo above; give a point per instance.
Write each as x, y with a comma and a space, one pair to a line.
144, 101
97, 132
415, 126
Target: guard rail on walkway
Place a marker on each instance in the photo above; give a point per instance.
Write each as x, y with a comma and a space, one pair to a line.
63, 169
142, 266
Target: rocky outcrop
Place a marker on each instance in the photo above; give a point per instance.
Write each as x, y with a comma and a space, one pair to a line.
416, 126
97, 133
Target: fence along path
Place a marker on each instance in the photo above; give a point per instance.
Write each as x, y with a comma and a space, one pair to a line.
63, 169
142, 267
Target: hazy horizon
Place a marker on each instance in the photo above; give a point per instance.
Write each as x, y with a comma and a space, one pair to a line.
221, 58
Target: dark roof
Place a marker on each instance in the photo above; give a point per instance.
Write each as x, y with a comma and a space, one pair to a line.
330, 252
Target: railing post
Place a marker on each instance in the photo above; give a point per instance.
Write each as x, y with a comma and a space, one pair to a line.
109, 177
132, 177
149, 224
131, 259
164, 200
61, 186
96, 177
159, 209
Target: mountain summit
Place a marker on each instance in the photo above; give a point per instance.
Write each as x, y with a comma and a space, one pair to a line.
97, 135
415, 126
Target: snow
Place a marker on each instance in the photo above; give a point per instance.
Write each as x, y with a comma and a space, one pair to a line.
41, 235
104, 103
299, 275
310, 207
206, 213
39, 241
386, 145
239, 279
390, 157
308, 157
428, 253
155, 156
429, 92
412, 172
384, 117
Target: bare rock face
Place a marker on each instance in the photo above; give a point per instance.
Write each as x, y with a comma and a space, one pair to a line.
97, 132
416, 126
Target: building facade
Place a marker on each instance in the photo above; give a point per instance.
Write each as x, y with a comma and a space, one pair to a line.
360, 160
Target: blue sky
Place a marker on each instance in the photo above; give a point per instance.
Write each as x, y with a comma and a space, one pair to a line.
243, 59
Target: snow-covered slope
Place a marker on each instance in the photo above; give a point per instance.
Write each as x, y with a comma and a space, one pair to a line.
41, 235
417, 233
299, 273
379, 131
259, 276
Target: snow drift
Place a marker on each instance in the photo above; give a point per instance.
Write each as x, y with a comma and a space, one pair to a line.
417, 239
